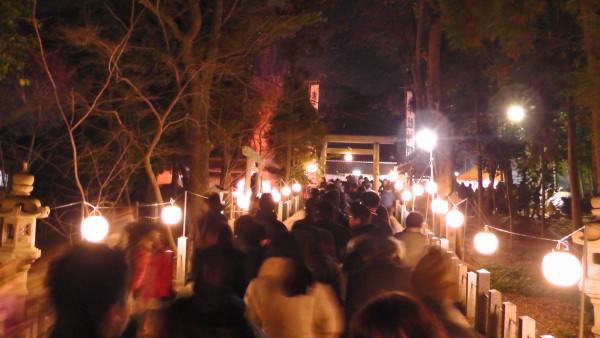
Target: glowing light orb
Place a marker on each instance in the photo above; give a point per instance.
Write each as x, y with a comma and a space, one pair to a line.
516, 113
312, 168
418, 190
455, 218
399, 186
485, 243
94, 228
393, 176
286, 191
439, 206
171, 214
243, 201
348, 157
356, 172
431, 187
266, 186
240, 184
276, 195
426, 139
296, 187
561, 268
406, 195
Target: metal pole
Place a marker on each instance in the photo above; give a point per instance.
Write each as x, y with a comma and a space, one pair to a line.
432, 195
184, 210
462, 251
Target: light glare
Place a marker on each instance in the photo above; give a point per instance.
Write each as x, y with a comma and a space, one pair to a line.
296, 187
406, 195
455, 218
485, 243
426, 139
418, 190
171, 214
516, 113
348, 157
431, 187
94, 228
561, 268
286, 191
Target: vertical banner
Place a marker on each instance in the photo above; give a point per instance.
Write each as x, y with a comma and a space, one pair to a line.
410, 123
314, 95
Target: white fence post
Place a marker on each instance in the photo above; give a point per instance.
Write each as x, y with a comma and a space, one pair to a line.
462, 284
494, 325
471, 295
481, 303
509, 320
526, 327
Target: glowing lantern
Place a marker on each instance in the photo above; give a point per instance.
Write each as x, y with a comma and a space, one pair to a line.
406, 195
243, 201
516, 113
286, 191
348, 157
296, 187
241, 184
455, 218
431, 187
561, 268
266, 186
393, 176
485, 242
276, 195
418, 189
171, 214
426, 139
439, 206
399, 186
312, 168
94, 228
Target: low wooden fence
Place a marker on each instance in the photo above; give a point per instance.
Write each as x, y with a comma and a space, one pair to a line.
484, 308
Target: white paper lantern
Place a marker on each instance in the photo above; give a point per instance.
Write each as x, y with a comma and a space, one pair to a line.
94, 228
296, 187
406, 195
455, 218
286, 191
418, 189
486, 242
171, 214
276, 195
426, 139
431, 187
399, 185
439, 206
561, 268
348, 157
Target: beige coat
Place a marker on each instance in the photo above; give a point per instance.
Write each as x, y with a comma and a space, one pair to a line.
316, 314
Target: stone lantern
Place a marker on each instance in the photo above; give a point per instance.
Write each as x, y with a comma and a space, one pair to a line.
19, 212
592, 273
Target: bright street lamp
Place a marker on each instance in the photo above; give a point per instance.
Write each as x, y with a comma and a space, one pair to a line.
426, 139
348, 157
516, 113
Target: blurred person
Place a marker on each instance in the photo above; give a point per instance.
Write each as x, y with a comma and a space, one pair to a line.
213, 218
388, 197
267, 217
285, 301
376, 269
432, 281
395, 314
250, 238
380, 218
88, 287
415, 242
360, 222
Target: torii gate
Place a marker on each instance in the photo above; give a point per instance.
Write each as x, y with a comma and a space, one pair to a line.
365, 139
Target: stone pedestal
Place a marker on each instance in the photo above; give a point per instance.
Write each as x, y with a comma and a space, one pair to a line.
592, 275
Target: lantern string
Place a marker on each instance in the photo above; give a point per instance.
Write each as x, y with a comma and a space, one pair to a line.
198, 195
66, 205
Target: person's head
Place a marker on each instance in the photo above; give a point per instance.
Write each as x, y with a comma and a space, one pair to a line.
214, 203
266, 203
414, 219
333, 197
370, 199
314, 192
369, 247
248, 231
217, 234
324, 211
359, 214
353, 186
432, 277
88, 286
284, 245
145, 234
395, 314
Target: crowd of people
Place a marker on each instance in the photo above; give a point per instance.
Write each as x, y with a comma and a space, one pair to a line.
343, 270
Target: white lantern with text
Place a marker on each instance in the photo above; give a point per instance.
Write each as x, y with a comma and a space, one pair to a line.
296, 187
94, 228
431, 187
455, 218
171, 214
399, 185
418, 189
485, 242
286, 191
406, 195
439, 206
561, 268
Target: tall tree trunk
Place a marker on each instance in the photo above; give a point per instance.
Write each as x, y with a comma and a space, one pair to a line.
417, 74
288, 162
434, 82
543, 193
573, 171
590, 23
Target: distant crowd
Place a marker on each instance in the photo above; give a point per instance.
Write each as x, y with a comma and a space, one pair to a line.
343, 270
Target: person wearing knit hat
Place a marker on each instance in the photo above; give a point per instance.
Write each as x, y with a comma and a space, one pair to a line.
433, 283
